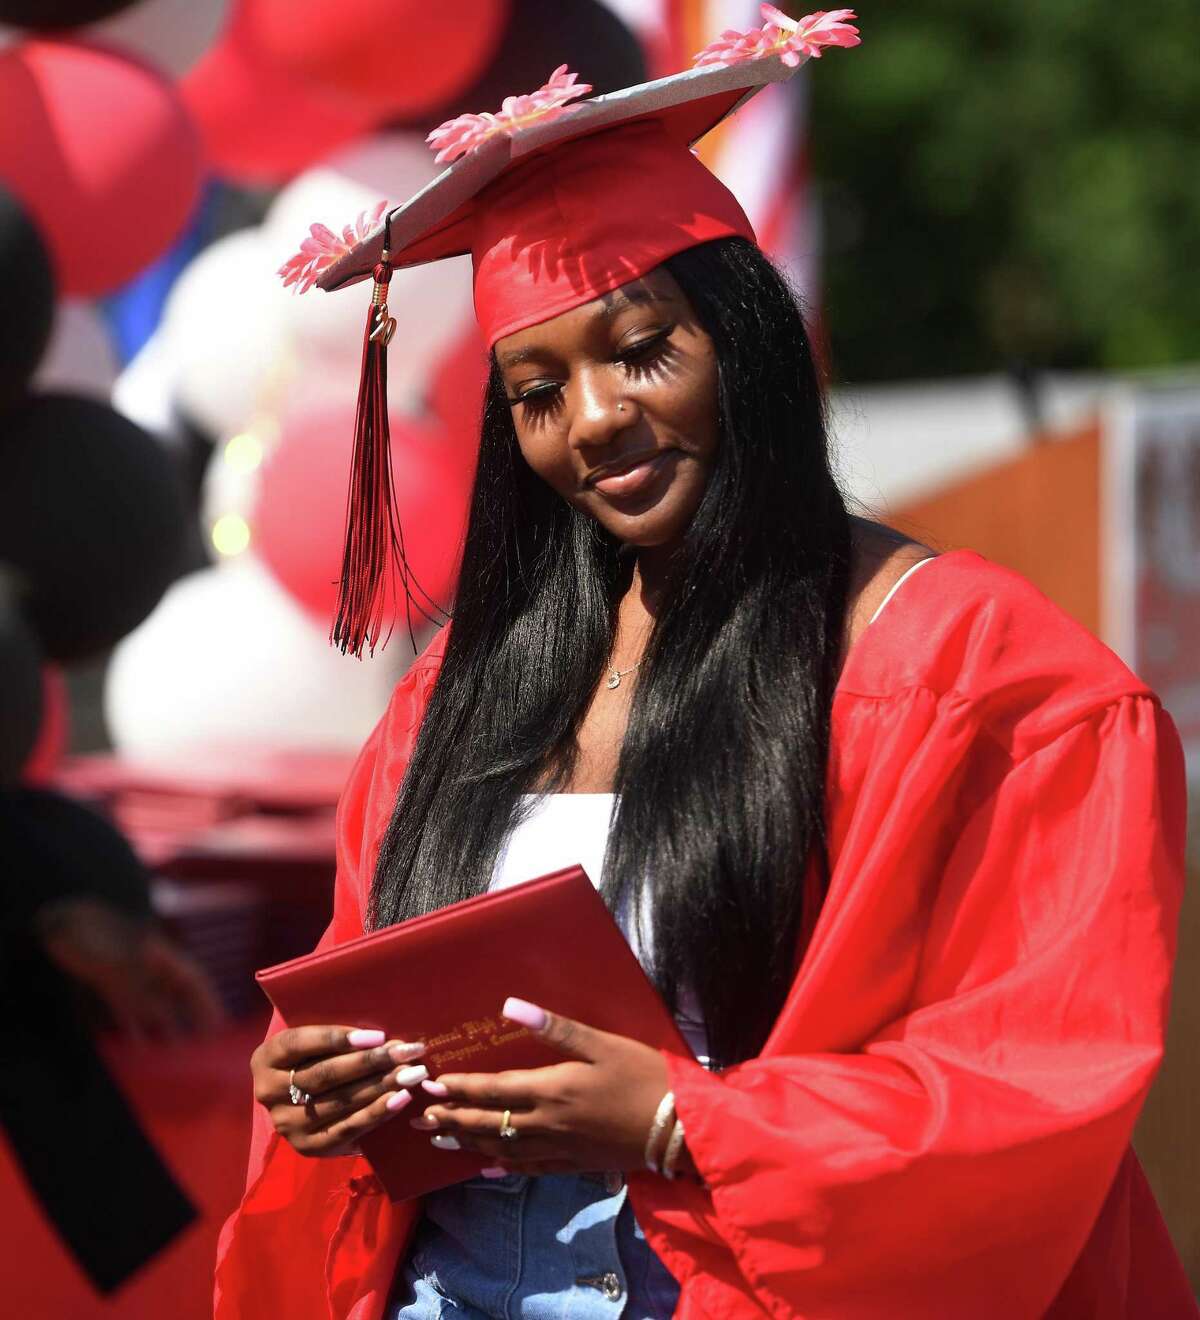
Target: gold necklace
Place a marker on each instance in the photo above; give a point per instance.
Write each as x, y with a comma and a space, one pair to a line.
616, 675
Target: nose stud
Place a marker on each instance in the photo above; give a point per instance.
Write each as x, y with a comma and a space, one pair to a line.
620, 407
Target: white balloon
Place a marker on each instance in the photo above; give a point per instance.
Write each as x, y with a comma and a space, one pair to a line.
431, 302
171, 34
145, 392
80, 357
226, 340
228, 657
230, 487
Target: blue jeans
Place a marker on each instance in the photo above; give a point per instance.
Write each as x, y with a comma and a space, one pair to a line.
517, 1248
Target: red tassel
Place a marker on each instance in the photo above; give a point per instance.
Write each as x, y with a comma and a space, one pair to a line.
374, 549
374, 557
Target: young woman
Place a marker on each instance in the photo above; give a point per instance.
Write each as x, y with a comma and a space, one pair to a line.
898, 842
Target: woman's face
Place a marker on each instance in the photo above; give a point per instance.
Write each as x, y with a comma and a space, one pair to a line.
615, 407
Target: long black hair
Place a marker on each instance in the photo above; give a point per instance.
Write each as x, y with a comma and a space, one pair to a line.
720, 830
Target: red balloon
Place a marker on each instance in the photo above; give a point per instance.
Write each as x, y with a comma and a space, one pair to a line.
299, 521
260, 122
47, 754
102, 153
395, 56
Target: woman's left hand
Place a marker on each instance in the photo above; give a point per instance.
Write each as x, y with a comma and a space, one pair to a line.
591, 1112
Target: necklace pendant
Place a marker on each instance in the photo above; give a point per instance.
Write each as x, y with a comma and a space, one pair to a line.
614, 679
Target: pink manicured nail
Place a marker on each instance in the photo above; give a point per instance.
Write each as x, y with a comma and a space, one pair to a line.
435, 1088
362, 1039
494, 1172
411, 1076
422, 1122
402, 1051
443, 1141
399, 1100
527, 1014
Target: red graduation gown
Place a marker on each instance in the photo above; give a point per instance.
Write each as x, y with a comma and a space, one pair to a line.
939, 1123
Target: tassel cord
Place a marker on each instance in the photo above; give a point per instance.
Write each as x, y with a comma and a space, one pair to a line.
374, 554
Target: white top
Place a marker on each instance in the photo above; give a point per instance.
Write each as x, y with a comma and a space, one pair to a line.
562, 829
559, 830
565, 829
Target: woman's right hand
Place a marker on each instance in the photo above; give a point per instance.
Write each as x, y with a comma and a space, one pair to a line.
355, 1080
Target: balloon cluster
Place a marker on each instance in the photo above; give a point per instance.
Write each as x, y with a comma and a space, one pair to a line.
91, 519
306, 112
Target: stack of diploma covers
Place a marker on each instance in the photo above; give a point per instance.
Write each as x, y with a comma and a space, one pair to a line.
443, 978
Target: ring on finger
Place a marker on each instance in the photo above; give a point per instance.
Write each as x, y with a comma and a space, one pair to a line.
507, 1131
295, 1094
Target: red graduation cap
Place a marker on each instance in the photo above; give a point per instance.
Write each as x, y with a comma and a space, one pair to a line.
557, 204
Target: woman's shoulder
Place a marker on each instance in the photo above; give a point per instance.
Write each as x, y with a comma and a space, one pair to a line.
982, 636
882, 558
429, 659
410, 696
389, 745
369, 794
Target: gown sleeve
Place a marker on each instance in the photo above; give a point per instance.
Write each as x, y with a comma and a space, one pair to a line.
956, 1163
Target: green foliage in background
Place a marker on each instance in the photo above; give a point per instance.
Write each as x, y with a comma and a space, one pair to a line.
1014, 182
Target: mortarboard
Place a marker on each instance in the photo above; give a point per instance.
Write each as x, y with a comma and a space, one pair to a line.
557, 201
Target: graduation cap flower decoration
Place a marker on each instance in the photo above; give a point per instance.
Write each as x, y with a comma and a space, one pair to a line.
792, 39
457, 136
558, 201
323, 247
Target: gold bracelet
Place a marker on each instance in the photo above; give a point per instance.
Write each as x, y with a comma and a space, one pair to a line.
671, 1154
661, 1125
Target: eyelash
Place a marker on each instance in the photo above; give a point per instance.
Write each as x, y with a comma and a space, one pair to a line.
637, 355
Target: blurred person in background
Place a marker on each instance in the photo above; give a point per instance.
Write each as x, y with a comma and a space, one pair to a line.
83, 897
79, 948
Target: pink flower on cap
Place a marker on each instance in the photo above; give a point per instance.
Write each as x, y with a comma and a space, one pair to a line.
791, 39
457, 136
323, 247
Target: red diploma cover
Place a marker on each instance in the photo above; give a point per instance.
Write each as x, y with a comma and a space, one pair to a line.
443, 978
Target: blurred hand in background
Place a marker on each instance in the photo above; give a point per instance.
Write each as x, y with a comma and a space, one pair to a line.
149, 988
